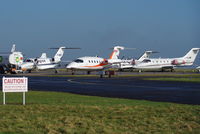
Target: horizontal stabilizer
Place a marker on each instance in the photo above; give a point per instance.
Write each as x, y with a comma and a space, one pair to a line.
126, 48
65, 48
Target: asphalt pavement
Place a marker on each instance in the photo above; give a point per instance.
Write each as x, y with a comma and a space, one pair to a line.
121, 87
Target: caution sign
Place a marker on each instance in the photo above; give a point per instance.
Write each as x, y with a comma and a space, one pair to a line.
15, 84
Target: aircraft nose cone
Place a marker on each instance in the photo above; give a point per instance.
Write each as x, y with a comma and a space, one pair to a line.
70, 66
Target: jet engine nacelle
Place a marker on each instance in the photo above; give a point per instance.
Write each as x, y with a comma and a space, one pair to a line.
133, 62
105, 61
178, 62
16, 58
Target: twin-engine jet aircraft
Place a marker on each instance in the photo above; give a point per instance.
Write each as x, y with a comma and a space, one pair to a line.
129, 63
96, 63
44, 63
168, 63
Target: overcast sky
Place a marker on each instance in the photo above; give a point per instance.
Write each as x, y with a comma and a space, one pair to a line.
171, 27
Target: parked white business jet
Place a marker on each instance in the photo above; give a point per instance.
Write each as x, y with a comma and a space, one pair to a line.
44, 62
168, 63
129, 63
30, 63
10, 62
124, 64
96, 63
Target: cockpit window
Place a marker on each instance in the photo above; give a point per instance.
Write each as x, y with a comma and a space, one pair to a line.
78, 61
28, 60
146, 60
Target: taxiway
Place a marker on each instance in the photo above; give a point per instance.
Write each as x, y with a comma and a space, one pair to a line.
120, 87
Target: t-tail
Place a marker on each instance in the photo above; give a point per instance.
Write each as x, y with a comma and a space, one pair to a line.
190, 57
116, 52
59, 54
146, 55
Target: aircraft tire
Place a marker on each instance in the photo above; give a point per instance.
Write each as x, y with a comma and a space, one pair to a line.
2, 71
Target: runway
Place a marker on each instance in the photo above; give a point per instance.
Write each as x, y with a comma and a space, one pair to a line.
121, 87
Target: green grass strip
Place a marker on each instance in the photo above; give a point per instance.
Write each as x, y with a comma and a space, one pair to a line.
189, 79
53, 112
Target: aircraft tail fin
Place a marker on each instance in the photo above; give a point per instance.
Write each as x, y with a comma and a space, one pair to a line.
43, 56
13, 48
146, 55
191, 55
59, 54
116, 52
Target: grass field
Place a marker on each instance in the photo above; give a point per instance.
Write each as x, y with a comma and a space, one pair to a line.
186, 79
53, 113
